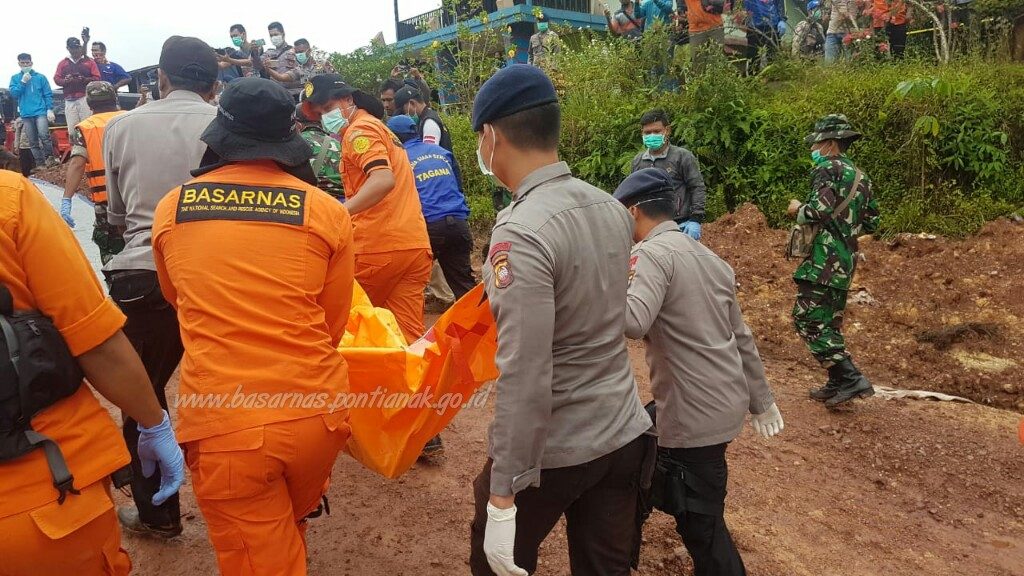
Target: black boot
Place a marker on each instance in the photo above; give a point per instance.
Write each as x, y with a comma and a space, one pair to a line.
852, 384
825, 392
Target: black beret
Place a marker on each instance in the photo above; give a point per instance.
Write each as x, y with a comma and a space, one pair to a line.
512, 89
648, 183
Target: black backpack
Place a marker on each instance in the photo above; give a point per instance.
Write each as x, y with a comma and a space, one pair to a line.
36, 371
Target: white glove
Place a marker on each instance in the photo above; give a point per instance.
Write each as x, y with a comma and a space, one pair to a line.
769, 423
499, 541
26, 78
51, 116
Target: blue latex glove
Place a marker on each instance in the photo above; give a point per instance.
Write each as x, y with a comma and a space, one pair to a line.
782, 28
65, 211
691, 229
157, 445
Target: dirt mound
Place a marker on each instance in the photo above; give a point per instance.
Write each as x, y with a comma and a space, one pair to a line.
924, 311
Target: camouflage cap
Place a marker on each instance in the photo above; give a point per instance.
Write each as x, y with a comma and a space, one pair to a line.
832, 127
99, 91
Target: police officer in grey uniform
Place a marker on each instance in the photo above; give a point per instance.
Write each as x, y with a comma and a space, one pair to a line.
706, 373
568, 432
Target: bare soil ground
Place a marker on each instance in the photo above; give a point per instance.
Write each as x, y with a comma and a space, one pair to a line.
894, 487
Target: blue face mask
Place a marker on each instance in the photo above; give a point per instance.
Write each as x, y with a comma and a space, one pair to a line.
654, 141
301, 57
542, 26
334, 121
816, 156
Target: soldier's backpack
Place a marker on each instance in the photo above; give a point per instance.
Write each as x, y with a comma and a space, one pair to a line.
801, 236
36, 371
813, 40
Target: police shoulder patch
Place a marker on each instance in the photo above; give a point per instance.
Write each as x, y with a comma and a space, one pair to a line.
203, 201
499, 261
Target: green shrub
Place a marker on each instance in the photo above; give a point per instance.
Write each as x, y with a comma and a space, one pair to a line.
943, 145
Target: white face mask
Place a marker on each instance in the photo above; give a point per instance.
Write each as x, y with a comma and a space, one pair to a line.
486, 170
277, 41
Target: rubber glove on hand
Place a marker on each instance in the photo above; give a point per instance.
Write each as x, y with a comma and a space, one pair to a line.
65, 211
691, 229
499, 541
782, 28
50, 116
157, 445
26, 77
769, 423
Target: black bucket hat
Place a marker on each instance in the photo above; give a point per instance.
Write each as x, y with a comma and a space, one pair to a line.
256, 121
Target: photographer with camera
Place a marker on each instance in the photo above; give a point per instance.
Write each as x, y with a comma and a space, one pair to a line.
280, 63
73, 74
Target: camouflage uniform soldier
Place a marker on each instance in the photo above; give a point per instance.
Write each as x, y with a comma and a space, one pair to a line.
824, 277
544, 45
326, 158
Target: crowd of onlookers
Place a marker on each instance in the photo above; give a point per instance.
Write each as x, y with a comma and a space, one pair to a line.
290, 64
826, 28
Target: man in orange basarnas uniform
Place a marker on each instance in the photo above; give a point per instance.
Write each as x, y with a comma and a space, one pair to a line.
258, 263
71, 530
393, 258
891, 17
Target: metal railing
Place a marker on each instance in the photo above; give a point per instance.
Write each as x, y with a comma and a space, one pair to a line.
441, 17
583, 6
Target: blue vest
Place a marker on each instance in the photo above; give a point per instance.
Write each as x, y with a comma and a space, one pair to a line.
436, 181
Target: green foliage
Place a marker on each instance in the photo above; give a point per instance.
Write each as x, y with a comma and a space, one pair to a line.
367, 68
943, 145
1010, 9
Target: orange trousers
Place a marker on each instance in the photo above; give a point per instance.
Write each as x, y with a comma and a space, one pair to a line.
255, 488
80, 536
396, 281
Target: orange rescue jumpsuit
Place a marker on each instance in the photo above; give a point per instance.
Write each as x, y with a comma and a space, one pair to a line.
393, 258
45, 269
260, 268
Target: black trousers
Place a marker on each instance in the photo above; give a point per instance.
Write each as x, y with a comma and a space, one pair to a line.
757, 38
152, 328
451, 243
599, 500
27, 161
897, 34
705, 535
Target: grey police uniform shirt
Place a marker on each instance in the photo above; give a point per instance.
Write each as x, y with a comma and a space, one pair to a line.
149, 151
556, 282
684, 169
706, 373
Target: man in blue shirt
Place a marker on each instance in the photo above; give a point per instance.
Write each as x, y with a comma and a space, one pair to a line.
109, 71
35, 106
657, 11
765, 29
443, 202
